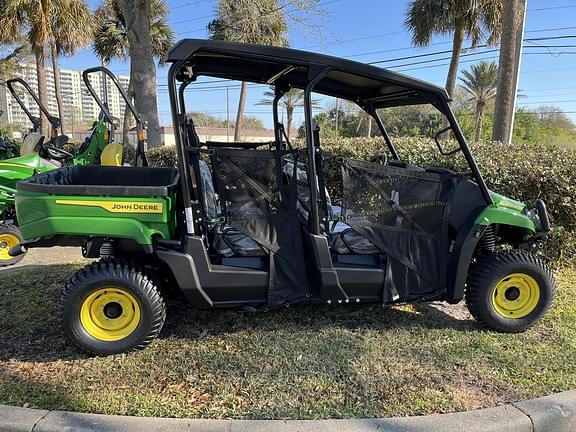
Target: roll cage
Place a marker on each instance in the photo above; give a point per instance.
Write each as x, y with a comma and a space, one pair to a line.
105, 112
54, 121
369, 87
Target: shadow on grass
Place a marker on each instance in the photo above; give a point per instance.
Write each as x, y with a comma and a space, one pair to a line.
18, 390
31, 332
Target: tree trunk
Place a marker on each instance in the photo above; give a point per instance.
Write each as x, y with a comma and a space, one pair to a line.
127, 115
142, 67
479, 111
506, 70
289, 117
42, 90
459, 34
57, 89
240, 113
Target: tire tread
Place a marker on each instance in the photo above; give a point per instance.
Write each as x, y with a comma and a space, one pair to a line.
116, 269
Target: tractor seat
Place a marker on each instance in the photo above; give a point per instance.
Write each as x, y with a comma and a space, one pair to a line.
112, 155
31, 143
228, 241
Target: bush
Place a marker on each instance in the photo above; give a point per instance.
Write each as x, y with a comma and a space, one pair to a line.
521, 171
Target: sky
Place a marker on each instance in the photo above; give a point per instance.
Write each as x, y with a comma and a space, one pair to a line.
373, 31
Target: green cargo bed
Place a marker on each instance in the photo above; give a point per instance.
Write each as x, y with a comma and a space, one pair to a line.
91, 201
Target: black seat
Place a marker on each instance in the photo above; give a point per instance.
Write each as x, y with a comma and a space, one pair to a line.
227, 240
342, 238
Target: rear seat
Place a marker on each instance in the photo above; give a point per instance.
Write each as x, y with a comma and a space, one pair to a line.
228, 241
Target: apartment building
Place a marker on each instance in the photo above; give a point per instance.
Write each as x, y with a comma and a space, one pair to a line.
79, 107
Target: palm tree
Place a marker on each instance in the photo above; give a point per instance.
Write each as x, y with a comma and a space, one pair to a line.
478, 20
249, 21
512, 22
292, 99
111, 40
480, 83
41, 22
137, 19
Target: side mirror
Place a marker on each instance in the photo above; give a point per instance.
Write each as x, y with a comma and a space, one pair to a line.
441, 147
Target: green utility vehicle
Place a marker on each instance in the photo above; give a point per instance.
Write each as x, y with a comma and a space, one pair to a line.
252, 226
38, 156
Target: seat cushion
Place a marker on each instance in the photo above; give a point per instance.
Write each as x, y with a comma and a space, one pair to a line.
229, 242
343, 240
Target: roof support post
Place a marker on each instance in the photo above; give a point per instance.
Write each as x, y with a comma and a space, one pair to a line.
444, 107
315, 74
278, 93
374, 113
179, 121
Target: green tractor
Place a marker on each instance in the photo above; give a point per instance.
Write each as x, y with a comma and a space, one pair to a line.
8, 148
252, 225
38, 155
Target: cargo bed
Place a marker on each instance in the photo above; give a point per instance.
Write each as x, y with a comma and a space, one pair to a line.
134, 203
102, 180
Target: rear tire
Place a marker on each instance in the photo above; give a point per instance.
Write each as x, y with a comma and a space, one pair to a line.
9, 237
111, 307
509, 291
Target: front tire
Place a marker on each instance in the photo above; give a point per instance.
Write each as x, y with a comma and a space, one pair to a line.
509, 291
111, 307
9, 237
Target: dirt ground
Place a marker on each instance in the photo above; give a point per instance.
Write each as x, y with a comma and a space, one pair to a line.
47, 256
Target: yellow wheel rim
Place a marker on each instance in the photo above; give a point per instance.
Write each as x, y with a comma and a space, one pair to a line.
516, 296
110, 314
7, 242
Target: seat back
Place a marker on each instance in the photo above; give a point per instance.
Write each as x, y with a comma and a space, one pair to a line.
112, 155
31, 143
210, 203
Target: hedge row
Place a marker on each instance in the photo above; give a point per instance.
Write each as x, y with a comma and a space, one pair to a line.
520, 171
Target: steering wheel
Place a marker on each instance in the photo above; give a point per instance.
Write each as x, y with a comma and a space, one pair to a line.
54, 152
52, 149
381, 159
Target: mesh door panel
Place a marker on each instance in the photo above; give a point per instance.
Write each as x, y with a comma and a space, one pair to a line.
404, 214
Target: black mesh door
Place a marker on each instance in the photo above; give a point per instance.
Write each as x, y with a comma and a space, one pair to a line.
259, 200
404, 214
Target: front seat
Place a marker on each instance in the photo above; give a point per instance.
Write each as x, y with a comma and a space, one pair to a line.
31, 143
112, 155
342, 238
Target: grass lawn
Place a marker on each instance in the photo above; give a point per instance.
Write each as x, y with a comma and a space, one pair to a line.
300, 362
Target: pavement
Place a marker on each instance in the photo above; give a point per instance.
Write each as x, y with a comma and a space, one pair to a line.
555, 413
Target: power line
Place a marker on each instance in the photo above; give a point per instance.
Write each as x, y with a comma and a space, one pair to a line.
549, 102
551, 8
214, 15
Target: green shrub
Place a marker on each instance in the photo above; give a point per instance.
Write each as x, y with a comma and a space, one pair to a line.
522, 171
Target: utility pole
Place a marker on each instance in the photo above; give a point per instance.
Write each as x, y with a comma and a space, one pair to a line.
514, 16
227, 116
337, 111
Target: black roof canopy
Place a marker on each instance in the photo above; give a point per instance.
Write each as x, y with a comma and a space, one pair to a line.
286, 67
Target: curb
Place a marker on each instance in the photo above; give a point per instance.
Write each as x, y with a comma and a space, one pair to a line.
550, 413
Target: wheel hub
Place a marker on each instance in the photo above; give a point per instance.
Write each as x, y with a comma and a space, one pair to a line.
113, 310
7, 242
110, 314
516, 296
512, 293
